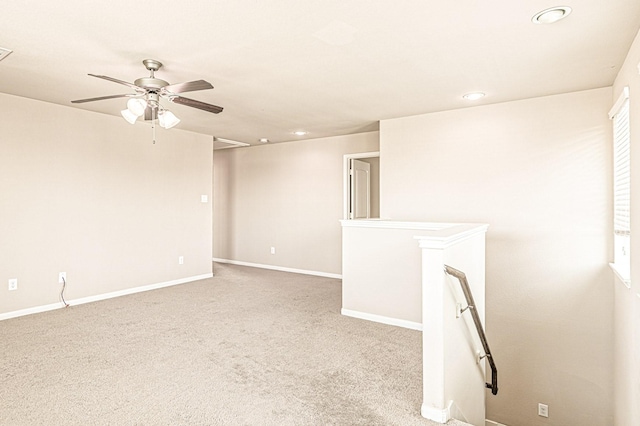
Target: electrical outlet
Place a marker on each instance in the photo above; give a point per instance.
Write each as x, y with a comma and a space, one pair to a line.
181, 260
543, 410
13, 284
62, 278
273, 250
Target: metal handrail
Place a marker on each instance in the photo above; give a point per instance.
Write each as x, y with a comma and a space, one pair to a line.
476, 319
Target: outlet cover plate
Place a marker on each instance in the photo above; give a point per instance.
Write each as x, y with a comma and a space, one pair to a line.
13, 284
543, 410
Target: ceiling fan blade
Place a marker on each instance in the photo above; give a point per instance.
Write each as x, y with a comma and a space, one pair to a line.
187, 87
196, 104
102, 98
115, 80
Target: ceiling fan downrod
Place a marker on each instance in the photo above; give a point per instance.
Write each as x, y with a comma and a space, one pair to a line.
151, 82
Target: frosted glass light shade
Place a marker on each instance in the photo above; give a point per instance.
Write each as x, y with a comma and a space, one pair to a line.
136, 106
167, 119
129, 116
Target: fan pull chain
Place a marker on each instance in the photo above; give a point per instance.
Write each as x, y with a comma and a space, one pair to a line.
153, 127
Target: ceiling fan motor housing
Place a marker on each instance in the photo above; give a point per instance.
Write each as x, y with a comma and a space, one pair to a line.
150, 83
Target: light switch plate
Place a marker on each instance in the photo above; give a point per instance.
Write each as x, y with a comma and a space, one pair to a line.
543, 410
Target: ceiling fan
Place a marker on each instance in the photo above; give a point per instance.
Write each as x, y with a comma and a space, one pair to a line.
145, 101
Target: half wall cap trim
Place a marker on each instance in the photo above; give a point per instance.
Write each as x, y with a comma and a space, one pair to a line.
395, 224
450, 236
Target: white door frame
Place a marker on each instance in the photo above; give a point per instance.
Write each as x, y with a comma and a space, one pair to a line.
345, 177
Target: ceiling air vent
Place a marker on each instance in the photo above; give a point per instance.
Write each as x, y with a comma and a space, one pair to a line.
4, 53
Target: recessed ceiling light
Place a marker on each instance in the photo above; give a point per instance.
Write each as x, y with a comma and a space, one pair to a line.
300, 133
263, 140
473, 96
549, 16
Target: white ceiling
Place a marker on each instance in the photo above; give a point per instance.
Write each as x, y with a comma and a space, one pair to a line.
330, 67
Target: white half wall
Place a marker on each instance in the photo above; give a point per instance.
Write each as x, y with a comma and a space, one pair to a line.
381, 269
454, 384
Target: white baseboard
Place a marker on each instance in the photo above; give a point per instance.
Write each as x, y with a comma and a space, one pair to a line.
138, 289
492, 423
440, 415
382, 319
96, 298
29, 311
278, 268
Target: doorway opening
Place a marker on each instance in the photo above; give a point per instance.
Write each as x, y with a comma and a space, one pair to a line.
361, 185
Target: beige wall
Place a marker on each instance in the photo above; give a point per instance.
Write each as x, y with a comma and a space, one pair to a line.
538, 172
627, 301
91, 195
286, 195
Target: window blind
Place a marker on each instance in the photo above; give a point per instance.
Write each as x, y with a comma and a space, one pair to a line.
621, 170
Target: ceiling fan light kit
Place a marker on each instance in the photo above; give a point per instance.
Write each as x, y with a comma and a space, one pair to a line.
148, 91
167, 119
129, 116
136, 106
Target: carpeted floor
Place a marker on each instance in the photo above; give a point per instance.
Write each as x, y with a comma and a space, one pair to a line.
246, 347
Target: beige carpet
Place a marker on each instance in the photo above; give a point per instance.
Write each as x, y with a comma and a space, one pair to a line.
247, 347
